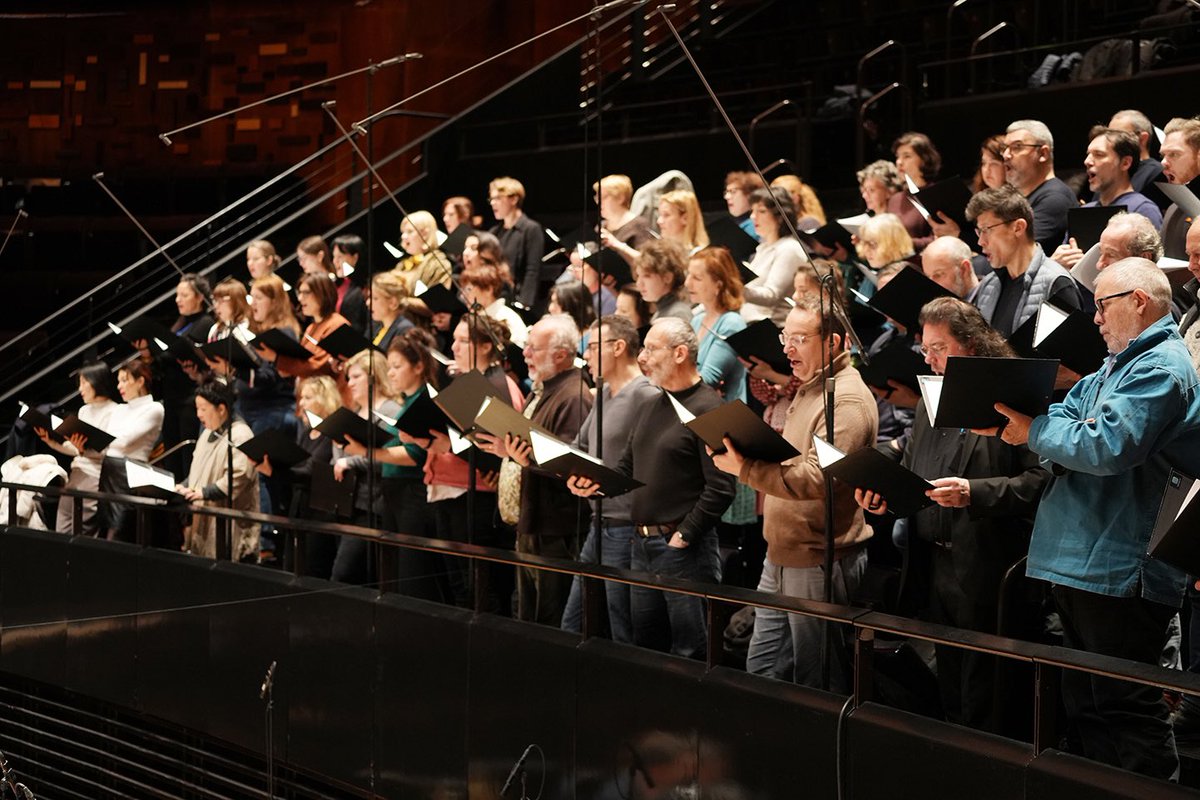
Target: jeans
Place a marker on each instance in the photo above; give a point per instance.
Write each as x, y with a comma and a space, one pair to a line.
789, 646
615, 551
667, 621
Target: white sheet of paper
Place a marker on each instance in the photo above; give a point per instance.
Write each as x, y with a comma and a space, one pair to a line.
681, 411
313, 419
1048, 319
1084, 272
827, 454
141, 475
931, 393
852, 224
1181, 196
1187, 501
393, 250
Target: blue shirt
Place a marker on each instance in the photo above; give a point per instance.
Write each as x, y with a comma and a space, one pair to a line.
1117, 434
716, 360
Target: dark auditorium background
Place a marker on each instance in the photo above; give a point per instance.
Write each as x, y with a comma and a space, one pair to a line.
413, 703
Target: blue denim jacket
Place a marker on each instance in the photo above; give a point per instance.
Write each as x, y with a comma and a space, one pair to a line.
1117, 434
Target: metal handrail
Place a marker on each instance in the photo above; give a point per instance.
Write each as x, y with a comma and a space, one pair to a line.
866, 623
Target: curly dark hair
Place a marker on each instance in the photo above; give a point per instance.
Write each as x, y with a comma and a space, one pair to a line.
966, 326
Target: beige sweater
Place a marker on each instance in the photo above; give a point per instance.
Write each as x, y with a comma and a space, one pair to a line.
794, 508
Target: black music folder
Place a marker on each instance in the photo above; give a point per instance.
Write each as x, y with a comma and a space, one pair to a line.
724, 231
947, 198
500, 419
751, 436
344, 422
281, 343
420, 417
231, 349
453, 246
330, 495
40, 419
344, 341
901, 488
898, 362
761, 339
463, 398
563, 461
440, 300
1086, 223
903, 297
609, 262
964, 397
1070, 336
97, 439
157, 335
1174, 539
281, 447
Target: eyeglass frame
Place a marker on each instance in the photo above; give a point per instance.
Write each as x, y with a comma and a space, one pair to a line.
1100, 301
797, 339
1016, 146
981, 231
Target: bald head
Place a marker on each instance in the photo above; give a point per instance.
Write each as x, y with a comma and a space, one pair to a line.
947, 262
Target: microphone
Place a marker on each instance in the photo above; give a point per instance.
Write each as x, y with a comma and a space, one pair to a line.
25, 793
21, 214
268, 682
518, 768
400, 59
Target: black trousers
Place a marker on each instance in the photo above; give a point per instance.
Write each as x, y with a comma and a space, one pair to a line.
1117, 722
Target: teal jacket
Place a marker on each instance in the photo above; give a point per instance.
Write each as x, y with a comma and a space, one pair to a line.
1112, 443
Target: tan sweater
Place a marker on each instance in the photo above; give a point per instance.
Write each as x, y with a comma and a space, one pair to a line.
794, 508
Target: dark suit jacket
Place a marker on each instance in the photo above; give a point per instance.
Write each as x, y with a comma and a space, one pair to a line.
548, 509
992, 532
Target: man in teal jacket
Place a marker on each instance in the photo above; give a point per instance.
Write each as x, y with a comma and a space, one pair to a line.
1110, 445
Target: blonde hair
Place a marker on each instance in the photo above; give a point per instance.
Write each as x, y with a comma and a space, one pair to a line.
687, 205
268, 251
892, 242
509, 187
281, 314
618, 187
390, 284
324, 390
425, 226
807, 204
373, 363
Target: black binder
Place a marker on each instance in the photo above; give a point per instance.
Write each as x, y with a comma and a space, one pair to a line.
947, 198
903, 297
898, 362
420, 417
231, 349
329, 494
972, 385
564, 461
463, 398
344, 422
344, 341
281, 447
901, 488
1086, 223
97, 439
752, 437
1173, 539
761, 339
281, 343
724, 231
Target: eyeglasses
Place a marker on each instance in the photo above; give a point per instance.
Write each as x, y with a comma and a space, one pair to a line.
1016, 147
986, 228
938, 349
796, 340
1100, 301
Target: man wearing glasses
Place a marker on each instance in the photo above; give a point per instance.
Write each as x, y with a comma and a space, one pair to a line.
1022, 276
1110, 444
1029, 167
789, 646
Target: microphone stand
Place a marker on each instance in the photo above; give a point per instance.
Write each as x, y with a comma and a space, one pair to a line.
836, 309
99, 179
369, 69
267, 692
21, 213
